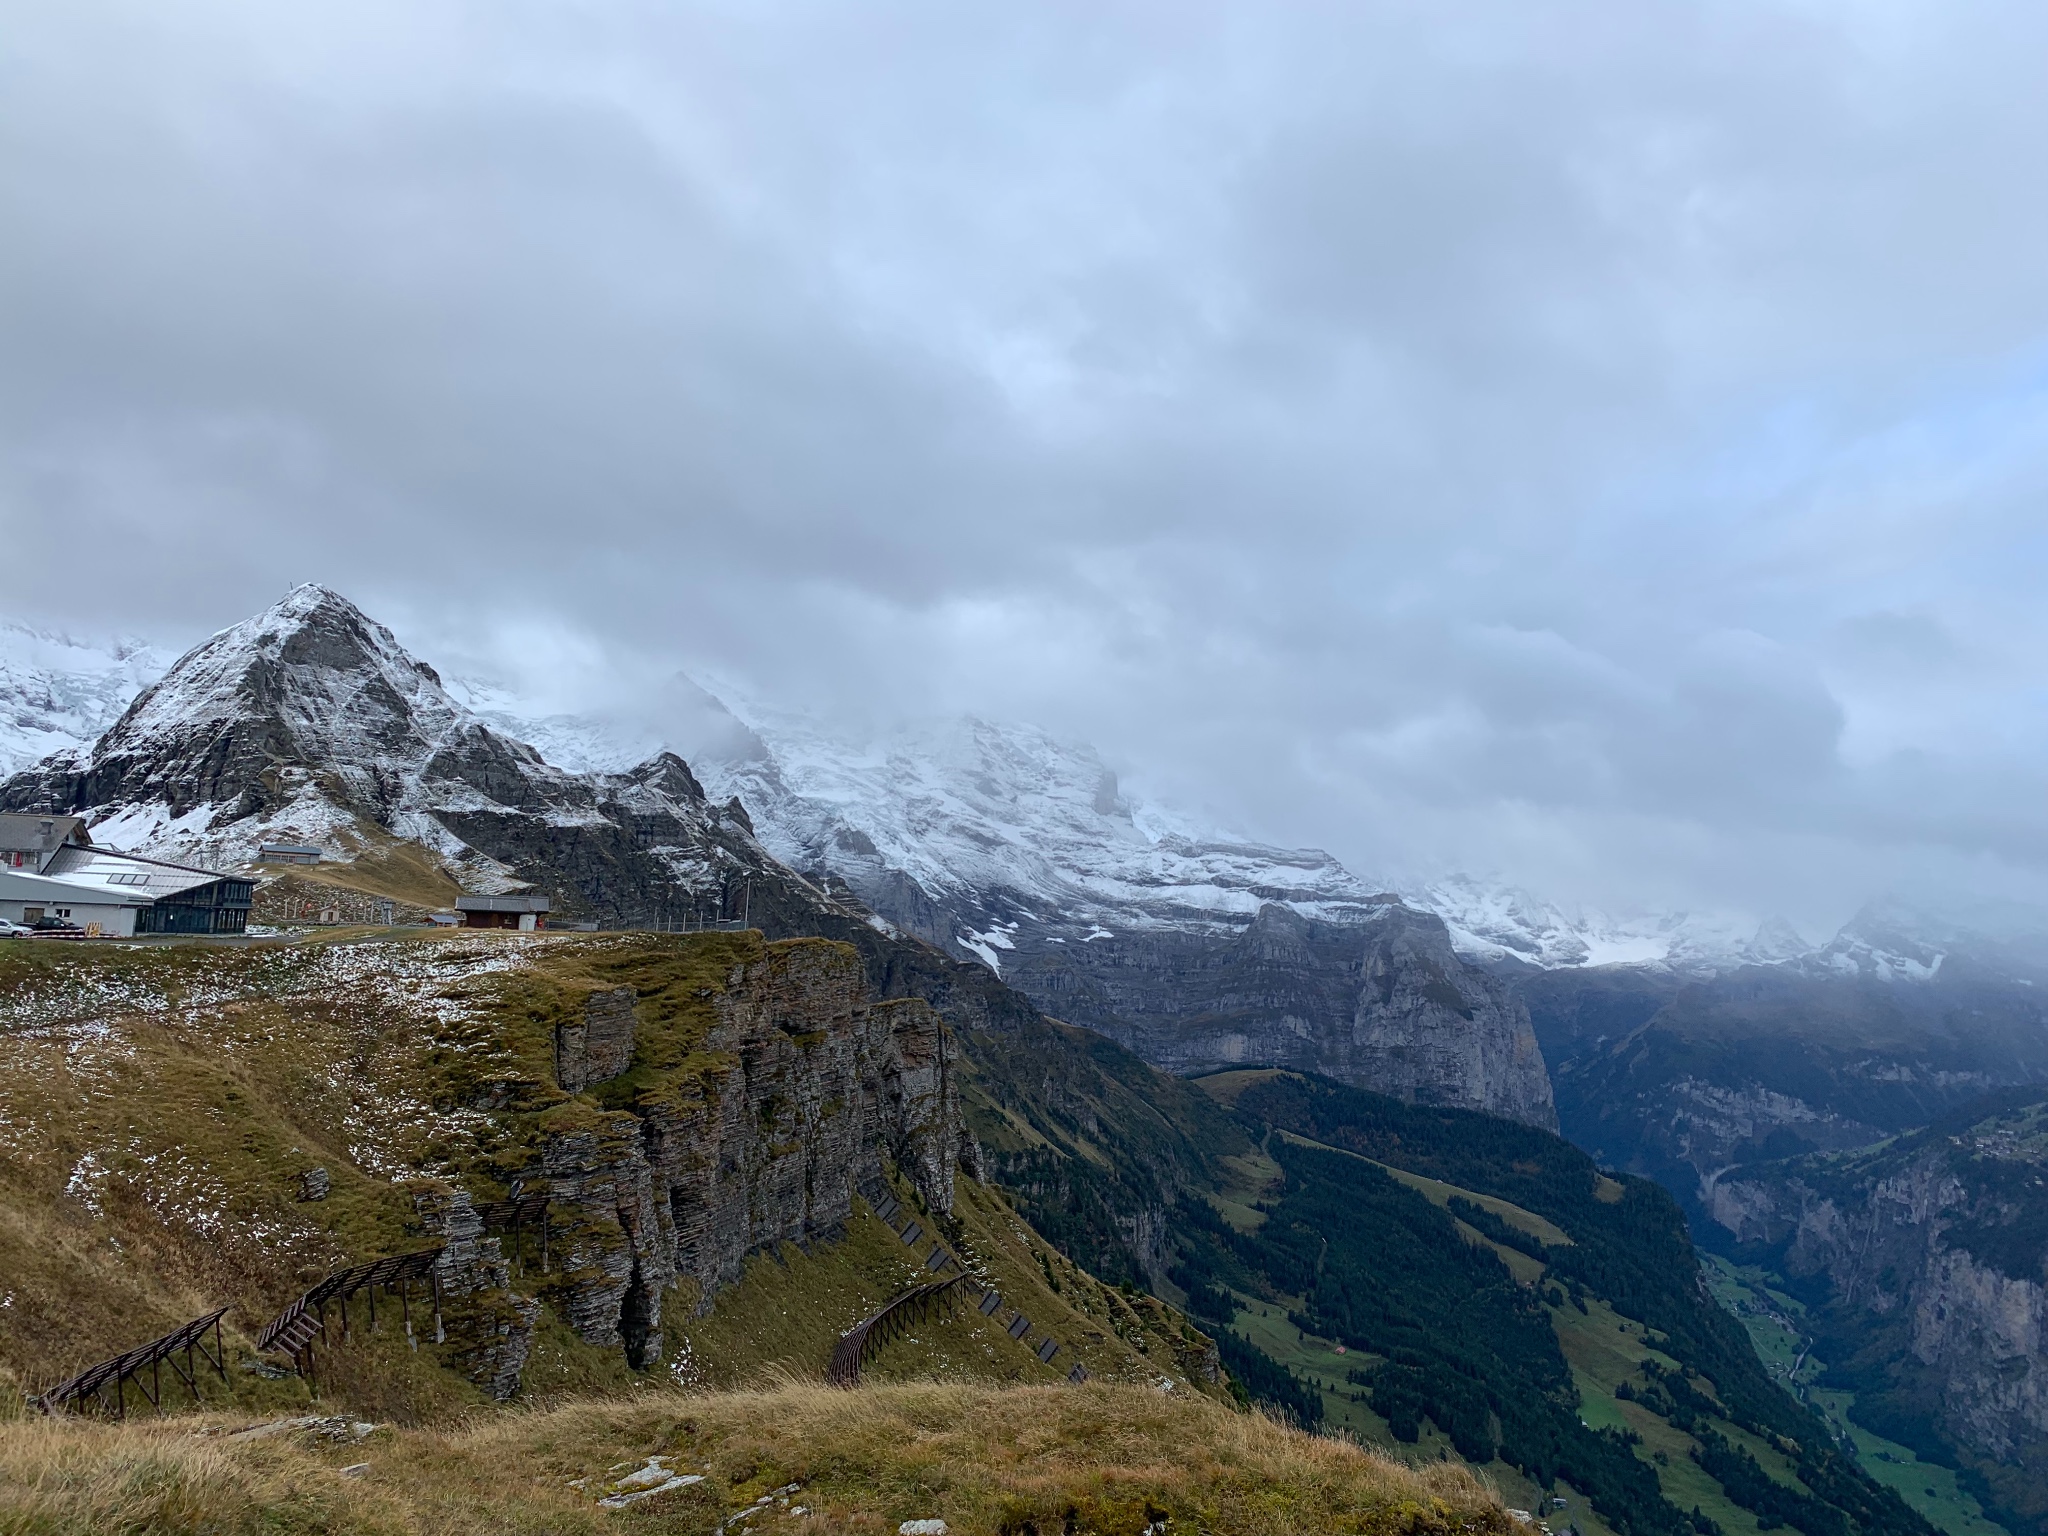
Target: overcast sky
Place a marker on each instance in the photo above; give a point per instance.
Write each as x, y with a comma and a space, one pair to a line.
1600, 443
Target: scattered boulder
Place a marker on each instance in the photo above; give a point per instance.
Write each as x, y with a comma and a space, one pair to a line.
656, 1477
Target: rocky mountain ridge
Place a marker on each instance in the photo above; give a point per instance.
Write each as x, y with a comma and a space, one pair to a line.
954, 829
964, 830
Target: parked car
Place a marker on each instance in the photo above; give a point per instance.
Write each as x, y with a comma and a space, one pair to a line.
14, 930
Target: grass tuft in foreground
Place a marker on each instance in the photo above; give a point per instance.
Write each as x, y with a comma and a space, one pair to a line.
989, 1461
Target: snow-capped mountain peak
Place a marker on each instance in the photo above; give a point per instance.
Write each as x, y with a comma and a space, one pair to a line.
311, 722
962, 829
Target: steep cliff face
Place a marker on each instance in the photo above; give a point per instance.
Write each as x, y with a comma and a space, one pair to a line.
1433, 1030
1931, 1252
489, 1325
759, 1134
1384, 1004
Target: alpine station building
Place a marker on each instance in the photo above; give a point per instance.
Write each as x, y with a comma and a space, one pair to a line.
52, 876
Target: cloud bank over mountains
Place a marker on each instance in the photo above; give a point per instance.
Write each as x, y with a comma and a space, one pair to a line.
1601, 447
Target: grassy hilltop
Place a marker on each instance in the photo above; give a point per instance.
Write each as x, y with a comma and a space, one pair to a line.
989, 1461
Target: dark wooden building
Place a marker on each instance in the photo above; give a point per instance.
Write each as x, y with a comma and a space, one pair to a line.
527, 913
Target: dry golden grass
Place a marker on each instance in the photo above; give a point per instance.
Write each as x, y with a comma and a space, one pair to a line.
386, 867
989, 1461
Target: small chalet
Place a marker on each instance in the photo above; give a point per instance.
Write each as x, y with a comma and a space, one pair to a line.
526, 913
287, 853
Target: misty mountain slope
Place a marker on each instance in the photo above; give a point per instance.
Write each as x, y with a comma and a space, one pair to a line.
1898, 1021
951, 829
1002, 826
1195, 954
1924, 1261
1496, 923
57, 693
975, 832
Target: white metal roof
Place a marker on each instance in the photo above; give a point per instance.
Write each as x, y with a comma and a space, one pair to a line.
15, 886
102, 869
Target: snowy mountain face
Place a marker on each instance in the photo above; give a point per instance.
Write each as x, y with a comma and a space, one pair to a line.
1493, 922
57, 693
967, 832
309, 723
976, 835
1893, 939
1006, 829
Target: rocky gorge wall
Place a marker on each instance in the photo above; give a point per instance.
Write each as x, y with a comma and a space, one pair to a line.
1931, 1255
1385, 1005
801, 1088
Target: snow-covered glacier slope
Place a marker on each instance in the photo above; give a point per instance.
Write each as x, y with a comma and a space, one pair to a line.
976, 833
1495, 921
57, 693
1009, 824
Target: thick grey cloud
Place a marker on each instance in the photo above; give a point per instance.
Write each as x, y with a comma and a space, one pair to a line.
1602, 443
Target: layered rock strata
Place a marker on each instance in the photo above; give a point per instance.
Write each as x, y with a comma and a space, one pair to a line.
598, 1046
488, 1324
801, 1089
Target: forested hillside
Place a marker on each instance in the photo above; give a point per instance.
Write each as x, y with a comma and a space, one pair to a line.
1480, 1285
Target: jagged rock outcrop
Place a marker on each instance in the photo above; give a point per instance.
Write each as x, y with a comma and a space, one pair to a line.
489, 1324
1384, 1004
1932, 1251
800, 1090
